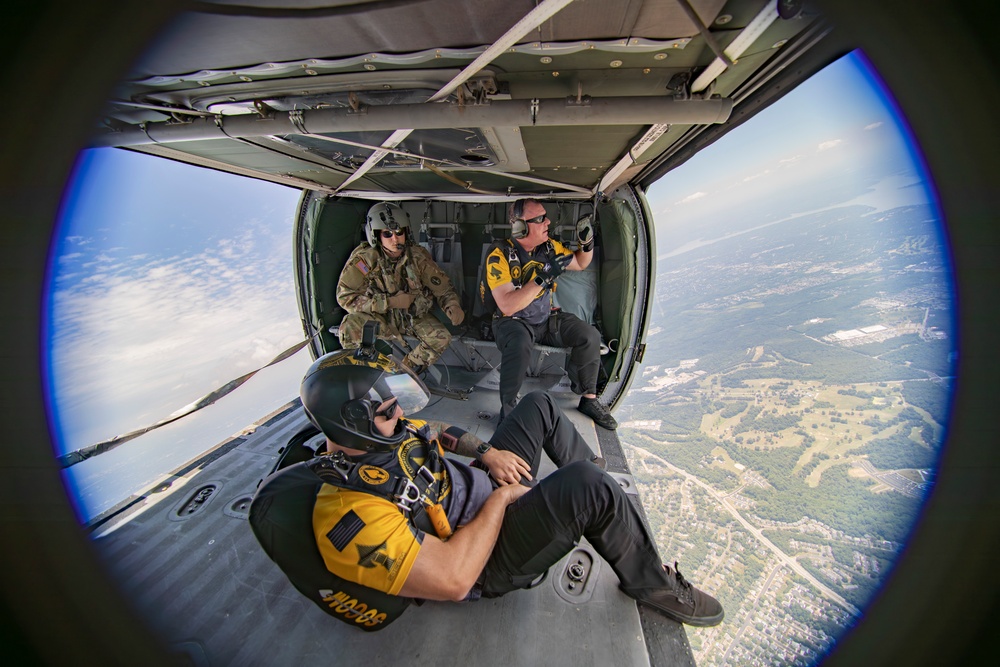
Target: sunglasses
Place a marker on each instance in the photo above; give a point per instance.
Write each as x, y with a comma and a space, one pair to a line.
388, 233
539, 220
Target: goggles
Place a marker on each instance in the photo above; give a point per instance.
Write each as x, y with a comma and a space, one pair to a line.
388, 233
537, 221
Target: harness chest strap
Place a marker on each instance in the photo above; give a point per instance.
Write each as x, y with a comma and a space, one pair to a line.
415, 498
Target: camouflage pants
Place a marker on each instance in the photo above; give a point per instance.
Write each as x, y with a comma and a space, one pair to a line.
433, 336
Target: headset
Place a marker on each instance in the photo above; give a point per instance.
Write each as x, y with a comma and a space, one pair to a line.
518, 225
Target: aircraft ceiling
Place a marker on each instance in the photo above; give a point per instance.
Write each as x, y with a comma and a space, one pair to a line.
489, 98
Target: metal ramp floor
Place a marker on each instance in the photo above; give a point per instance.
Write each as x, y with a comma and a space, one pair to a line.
185, 557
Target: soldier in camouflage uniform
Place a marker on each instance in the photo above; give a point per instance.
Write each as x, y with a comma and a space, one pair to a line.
392, 281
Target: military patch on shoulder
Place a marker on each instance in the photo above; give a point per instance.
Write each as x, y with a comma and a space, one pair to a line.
373, 475
362, 267
346, 530
493, 259
435, 281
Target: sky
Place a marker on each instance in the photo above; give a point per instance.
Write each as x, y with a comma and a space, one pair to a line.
167, 280
836, 135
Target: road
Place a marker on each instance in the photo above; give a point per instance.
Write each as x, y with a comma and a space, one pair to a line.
751, 616
756, 532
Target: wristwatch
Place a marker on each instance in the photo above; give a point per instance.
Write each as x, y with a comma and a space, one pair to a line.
483, 448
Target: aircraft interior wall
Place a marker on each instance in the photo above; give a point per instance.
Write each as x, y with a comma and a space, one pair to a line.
459, 234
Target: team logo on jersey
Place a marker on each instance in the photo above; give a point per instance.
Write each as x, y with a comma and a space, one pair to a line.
373, 475
369, 556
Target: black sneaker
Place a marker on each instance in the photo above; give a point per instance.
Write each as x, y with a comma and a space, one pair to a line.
597, 411
680, 601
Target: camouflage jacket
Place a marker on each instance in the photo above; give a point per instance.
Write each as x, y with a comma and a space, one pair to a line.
370, 277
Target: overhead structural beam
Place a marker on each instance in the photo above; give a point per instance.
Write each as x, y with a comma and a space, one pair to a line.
502, 113
531, 21
738, 47
541, 13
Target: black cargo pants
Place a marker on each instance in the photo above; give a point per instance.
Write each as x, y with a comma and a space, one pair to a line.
577, 500
515, 339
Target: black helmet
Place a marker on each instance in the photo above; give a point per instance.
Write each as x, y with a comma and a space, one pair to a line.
386, 216
341, 391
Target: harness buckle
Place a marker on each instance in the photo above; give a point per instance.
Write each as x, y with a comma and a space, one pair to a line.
428, 476
408, 495
326, 467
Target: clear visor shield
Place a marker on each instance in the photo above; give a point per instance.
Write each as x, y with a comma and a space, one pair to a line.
410, 393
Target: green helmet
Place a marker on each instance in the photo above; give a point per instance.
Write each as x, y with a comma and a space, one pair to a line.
341, 391
386, 216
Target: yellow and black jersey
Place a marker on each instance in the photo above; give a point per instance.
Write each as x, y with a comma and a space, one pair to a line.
500, 272
364, 538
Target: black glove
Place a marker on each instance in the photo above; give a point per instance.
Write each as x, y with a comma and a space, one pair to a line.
552, 269
585, 233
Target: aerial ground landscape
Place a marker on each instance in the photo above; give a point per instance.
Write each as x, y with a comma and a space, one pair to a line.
785, 449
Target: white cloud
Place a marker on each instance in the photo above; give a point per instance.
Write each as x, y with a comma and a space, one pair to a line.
827, 145
693, 197
753, 177
134, 342
873, 125
789, 160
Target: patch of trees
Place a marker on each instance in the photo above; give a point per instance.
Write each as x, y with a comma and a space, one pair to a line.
841, 502
898, 451
768, 422
694, 455
733, 409
813, 463
930, 396
876, 423
859, 393
802, 616
781, 539
934, 355
680, 417
885, 347
775, 465
831, 365
843, 554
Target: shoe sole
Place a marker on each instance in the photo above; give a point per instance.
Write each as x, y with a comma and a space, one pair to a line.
706, 622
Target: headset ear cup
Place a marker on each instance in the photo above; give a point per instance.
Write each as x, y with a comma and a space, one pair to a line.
518, 227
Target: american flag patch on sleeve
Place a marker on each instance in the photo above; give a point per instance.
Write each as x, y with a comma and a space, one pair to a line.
346, 530
362, 267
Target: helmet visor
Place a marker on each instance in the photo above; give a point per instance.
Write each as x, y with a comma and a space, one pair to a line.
410, 393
